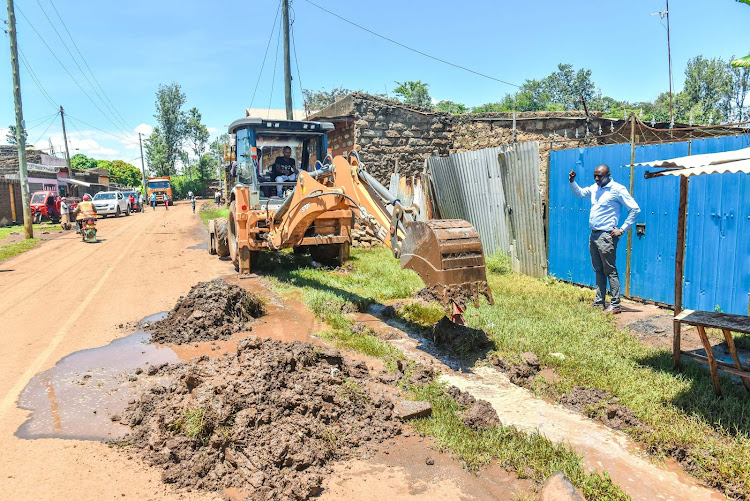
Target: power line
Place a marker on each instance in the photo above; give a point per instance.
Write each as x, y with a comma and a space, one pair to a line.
35, 79
75, 61
411, 48
100, 130
273, 75
40, 120
270, 38
64, 68
296, 62
48, 126
113, 107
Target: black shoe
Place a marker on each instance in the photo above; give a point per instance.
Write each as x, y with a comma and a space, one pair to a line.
615, 310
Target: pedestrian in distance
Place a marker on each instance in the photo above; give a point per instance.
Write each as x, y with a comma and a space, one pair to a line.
153, 200
217, 197
166, 200
64, 214
607, 200
140, 201
192, 201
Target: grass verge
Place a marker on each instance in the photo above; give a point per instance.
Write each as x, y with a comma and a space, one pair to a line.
5, 231
377, 277
208, 214
9, 250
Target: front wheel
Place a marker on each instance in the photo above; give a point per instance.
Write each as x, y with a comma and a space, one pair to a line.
221, 230
127, 212
117, 212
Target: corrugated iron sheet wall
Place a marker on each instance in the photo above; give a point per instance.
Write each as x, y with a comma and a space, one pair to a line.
501, 200
717, 259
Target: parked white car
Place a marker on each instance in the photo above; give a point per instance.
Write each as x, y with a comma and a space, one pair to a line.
111, 202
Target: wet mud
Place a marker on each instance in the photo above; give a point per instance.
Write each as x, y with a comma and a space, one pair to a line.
268, 420
477, 414
458, 338
210, 311
602, 406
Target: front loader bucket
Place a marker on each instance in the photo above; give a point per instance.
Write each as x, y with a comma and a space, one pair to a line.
447, 254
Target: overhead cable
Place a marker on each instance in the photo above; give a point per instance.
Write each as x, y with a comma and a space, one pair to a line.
413, 49
270, 38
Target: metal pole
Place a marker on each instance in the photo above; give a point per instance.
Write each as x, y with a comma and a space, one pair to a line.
143, 167
20, 130
669, 54
287, 62
65, 137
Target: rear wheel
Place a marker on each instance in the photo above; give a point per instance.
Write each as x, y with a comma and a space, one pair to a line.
222, 244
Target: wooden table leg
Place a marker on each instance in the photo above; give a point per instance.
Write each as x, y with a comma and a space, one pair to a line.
735, 356
713, 368
676, 326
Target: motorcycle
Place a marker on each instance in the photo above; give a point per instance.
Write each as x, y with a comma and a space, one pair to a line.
88, 230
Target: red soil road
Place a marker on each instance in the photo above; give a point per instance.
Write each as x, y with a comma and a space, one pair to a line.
65, 296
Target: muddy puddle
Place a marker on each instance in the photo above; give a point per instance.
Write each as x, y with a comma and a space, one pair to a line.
85, 393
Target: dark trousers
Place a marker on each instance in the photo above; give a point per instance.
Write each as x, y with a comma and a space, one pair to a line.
603, 249
153, 204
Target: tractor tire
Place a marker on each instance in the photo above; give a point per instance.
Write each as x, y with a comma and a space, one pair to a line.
222, 244
327, 254
234, 251
211, 238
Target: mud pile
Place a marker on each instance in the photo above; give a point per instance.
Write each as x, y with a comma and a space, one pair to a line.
211, 310
477, 414
601, 405
267, 421
458, 338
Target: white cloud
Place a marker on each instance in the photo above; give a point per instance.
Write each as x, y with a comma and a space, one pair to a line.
144, 129
103, 152
3, 134
212, 130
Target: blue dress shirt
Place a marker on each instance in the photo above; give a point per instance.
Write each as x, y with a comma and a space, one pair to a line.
606, 204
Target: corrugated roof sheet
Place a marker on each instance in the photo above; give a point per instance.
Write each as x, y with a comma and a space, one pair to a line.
736, 166
709, 163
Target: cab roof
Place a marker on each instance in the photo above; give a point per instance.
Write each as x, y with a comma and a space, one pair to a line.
262, 124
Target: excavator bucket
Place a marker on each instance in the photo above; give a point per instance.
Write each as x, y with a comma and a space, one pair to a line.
447, 254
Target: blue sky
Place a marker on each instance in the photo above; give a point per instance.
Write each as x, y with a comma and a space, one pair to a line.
214, 50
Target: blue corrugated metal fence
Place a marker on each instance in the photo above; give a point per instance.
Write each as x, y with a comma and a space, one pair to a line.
717, 259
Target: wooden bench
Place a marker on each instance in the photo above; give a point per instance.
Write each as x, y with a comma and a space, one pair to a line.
727, 324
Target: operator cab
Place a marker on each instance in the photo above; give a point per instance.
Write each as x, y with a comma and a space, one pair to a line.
260, 146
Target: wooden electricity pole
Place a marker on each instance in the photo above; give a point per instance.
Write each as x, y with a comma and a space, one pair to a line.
28, 227
287, 62
65, 138
143, 166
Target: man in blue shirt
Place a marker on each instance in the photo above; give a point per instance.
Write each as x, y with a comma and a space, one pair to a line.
607, 200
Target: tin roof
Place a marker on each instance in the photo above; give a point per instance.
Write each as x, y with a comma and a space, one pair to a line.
709, 163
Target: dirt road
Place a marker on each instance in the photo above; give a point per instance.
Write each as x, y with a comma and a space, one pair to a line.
66, 296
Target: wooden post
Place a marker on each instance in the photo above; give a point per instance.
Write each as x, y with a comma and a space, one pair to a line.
13, 203
679, 269
629, 248
712, 365
733, 350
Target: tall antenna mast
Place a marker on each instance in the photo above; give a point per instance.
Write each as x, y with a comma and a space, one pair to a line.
669, 54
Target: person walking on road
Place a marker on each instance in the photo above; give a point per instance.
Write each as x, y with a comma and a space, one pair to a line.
140, 202
64, 214
166, 200
192, 201
607, 200
153, 200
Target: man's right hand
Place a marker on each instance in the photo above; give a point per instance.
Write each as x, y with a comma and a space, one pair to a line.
572, 176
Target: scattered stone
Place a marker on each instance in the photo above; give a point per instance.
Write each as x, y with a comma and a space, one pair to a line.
464, 399
558, 488
561, 356
481, 416
429, 461
412, 409
530, 359
211, 310
138, 370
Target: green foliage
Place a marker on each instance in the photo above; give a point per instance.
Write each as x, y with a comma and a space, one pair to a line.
11, 138
156, 154
171, 120
414, 93
181, 185
491, 108
9, 250
103, 164
81, 161
124, 173
450, 107
209, 214
317, 100
197, 136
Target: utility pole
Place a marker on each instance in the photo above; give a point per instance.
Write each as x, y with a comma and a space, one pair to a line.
287, 62
28, 227
669, 54
143, 167
65, 137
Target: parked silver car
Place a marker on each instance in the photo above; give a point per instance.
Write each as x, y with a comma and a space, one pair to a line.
111, 202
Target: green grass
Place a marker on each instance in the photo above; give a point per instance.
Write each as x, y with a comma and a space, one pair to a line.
377, 277
209, 214
193, 424
5, 231
9, 250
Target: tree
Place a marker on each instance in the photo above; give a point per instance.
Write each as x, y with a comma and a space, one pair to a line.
81, 161
491, 108
451, 107
124, 173
706, 88
103, 164
414, 93
207, 166
171, 120
156, 154
739, 81
317, 100
197, 136
12, 139
742, 62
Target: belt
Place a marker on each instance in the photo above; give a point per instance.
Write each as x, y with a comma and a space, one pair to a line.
601, 231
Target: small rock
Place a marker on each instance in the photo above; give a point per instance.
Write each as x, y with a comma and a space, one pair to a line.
481, 415
557, 355
115, 417
531, 359
429, 461
558, 488
139, 370
412, 409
